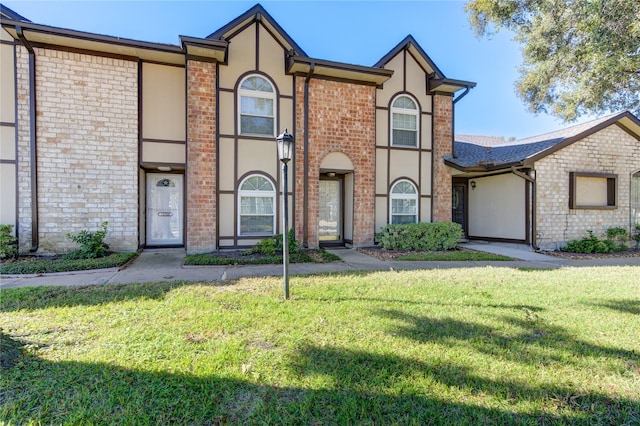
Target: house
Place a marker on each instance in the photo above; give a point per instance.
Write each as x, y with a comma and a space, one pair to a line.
549, 189
174, 145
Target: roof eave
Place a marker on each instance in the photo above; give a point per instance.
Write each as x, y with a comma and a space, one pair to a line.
338, 70
204, 48
448, 85
46, 35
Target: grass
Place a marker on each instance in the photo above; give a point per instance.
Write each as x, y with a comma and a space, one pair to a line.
453, 256
237, 258
452, 346
41, 266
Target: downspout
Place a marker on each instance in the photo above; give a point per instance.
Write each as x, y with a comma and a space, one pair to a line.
534, 242
32, 138
305, 168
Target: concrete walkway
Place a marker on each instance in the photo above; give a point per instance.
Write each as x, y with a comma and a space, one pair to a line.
167, 265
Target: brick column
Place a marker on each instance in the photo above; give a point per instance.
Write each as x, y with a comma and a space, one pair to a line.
201, 159
442, 145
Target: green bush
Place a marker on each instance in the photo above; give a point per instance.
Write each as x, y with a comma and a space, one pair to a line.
420, 236
618, 236
615, 240
92, 245
273, 245
636, 236
8, 243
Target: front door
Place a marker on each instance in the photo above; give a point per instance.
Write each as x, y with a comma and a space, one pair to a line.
330, 217
458, 204
164, 209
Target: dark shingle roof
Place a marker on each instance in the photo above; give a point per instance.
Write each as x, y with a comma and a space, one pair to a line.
490, 153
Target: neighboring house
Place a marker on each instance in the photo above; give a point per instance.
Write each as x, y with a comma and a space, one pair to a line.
175, 145
552, 188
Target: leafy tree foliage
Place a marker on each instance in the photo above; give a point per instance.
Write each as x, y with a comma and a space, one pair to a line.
579, 56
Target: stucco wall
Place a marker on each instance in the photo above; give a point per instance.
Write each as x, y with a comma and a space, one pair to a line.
611, 150
87, 148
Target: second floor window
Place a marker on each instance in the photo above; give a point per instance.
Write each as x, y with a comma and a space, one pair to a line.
404, 122
257, 107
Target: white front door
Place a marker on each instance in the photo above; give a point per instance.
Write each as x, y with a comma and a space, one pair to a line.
164, 209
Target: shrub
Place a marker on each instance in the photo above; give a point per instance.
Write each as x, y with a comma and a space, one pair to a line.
636, 236
8, 243
273, 245
420, 236
618, 236
92, 244
615, 239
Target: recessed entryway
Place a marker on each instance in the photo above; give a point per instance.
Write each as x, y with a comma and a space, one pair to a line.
331, 212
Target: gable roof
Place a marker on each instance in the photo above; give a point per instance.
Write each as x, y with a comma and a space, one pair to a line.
437, 82
5, 12
256, 14
488, 153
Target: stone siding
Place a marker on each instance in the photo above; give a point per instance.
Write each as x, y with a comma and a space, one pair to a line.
201, 157
442, 145
341, 119
87, 148
611, 150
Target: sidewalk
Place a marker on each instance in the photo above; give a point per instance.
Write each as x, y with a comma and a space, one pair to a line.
167, 265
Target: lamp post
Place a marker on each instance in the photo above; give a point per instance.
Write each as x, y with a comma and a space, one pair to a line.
285, 152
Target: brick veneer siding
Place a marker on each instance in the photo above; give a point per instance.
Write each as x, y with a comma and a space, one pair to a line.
610, 150
341, 119
201, 160
87, 147
442, 145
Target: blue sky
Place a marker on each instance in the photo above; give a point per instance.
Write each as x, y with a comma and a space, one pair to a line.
356, 32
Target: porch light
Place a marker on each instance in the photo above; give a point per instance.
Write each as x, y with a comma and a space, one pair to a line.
285, 146
285, 152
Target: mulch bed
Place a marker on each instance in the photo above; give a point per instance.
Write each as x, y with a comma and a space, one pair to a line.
383, 254
585, 256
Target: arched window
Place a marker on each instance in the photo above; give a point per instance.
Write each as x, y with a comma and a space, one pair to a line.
257, 100
404, 202
256, 211
404, 122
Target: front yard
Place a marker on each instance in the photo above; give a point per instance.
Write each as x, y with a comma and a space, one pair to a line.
454, 346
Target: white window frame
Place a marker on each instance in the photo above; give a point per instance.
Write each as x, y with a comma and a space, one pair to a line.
257, 94
635, 199
405, 111
415, 197
262, 194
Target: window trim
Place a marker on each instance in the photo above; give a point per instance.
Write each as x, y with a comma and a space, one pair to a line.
398, 110
251, 193
612, 191
273, 95
415, 197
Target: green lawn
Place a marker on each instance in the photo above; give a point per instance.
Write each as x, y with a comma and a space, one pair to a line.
454, 346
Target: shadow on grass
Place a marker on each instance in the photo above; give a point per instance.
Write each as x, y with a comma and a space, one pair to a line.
624, 306
33, 298
364, 390
530, 341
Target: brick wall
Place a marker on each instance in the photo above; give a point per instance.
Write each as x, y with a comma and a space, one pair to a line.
442, 145
341, 118
87, 147
610, 150
201, 161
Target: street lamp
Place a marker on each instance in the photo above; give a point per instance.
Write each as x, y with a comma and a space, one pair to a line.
285, 152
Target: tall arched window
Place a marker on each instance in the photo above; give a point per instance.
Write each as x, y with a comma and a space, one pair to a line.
257, 111
256, 210
404, 122
404, 202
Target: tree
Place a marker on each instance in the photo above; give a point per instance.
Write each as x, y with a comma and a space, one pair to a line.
579, 56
